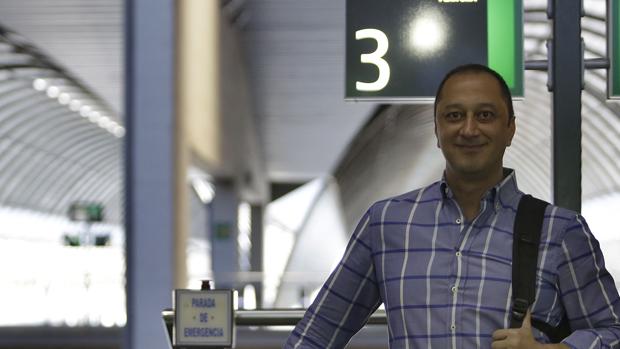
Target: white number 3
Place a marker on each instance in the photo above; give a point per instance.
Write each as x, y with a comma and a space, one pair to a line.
375, 58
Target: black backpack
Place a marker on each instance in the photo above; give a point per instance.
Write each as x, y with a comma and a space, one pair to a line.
526, 241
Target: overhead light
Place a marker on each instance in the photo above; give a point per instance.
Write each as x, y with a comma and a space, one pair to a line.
201, 185
119, 131
53, 92
103, 122
39, 84
204, 191
75, 105
94, 116
78, 106
111, 126
85, 110
64, 98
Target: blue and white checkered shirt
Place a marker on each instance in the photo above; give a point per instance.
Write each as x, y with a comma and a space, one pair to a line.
446, 283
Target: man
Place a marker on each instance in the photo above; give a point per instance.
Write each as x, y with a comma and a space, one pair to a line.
439, 258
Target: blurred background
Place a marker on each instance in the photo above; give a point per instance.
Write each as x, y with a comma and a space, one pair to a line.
146, 146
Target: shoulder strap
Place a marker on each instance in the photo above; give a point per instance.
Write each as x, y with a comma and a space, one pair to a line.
526, 240
555, 334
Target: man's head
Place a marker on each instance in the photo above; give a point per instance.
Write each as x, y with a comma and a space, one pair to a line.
474, 122
477, 68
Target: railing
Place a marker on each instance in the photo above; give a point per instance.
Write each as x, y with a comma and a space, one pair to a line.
280, 317
245, 319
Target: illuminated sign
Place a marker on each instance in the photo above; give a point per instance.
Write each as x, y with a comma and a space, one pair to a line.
86, 212
203, 319
400, 49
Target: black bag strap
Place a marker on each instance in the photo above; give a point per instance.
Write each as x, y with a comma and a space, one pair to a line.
526, 241
555, 334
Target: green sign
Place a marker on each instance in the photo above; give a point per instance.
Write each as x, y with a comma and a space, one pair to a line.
86, 212
613, 49
401, 49
223, 231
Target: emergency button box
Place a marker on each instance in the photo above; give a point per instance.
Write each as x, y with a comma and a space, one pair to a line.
203, 319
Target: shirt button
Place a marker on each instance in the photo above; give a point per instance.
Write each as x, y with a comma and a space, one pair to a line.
454, 289
453, 327
458, 253
458, 221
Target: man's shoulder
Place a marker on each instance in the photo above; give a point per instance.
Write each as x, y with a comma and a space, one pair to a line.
560, 213
558, 218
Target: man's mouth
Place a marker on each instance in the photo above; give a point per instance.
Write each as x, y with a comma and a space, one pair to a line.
471, 146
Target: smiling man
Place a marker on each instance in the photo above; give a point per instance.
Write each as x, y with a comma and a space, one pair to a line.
474, 123
440, 258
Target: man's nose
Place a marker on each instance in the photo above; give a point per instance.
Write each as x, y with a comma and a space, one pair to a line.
470, 126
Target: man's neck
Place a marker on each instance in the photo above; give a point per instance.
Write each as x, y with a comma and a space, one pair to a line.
468, 190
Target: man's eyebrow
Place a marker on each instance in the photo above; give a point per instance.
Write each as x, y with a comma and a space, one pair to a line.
453, 105
480, 105
487, 105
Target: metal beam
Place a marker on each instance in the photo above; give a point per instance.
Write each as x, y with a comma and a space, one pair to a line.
567, 77
592, 63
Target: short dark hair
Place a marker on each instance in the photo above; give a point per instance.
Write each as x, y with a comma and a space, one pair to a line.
478, 68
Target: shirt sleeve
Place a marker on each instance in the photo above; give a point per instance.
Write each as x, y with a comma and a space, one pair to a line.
346, 300
588, 292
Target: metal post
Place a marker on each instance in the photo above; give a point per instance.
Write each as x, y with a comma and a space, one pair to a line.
224, 246
256, 255
567, 68
149, 113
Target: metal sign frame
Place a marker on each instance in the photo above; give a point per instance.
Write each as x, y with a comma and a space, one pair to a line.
503, 55
613, 49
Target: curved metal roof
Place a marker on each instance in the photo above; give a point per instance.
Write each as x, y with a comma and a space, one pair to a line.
59, 142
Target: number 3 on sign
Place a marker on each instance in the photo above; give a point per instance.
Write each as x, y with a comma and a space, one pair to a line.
375, 58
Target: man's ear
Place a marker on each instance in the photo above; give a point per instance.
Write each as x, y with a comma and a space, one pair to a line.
513, 128
436, 136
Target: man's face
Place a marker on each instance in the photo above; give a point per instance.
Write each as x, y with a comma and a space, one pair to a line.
472, 125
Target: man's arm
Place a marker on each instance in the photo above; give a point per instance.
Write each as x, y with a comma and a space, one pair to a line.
346, 300
588, 292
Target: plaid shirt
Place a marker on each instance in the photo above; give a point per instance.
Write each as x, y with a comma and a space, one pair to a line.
446, 283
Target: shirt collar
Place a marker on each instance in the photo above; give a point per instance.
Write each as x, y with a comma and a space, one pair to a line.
502, 194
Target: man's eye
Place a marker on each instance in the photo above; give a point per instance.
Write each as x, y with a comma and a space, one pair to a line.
486, 115
453, 115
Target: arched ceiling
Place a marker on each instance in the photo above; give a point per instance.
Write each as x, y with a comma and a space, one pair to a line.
51, 155
60, 143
